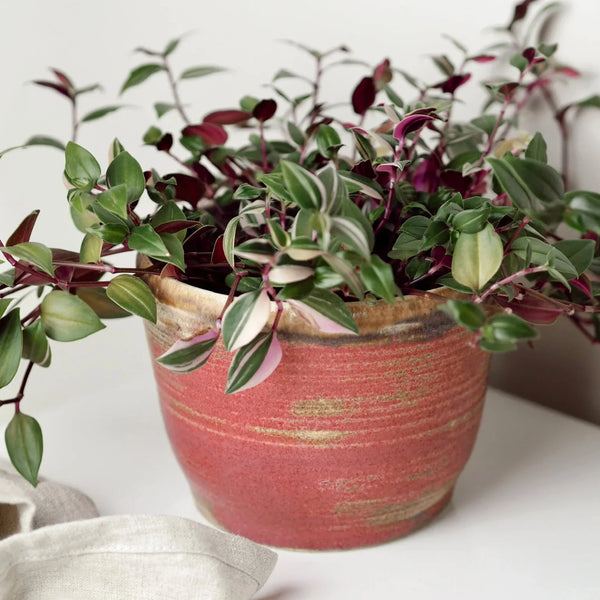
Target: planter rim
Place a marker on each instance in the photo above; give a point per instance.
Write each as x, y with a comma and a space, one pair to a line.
372, 319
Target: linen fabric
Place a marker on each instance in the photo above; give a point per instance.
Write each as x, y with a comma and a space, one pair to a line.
54, 547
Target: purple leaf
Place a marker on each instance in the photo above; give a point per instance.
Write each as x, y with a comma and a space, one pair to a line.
203, 173
363, 96
508, 90
529, 54
187, 188
64, 80
61, 89
520, 12
264, 110
453, 83
412, 122
227, 117
427, 175
23, 232
211, 134
165, 143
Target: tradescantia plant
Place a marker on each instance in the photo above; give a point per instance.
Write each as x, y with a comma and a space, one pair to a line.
315, 210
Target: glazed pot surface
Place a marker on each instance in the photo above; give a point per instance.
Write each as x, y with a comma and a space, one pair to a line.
353, 441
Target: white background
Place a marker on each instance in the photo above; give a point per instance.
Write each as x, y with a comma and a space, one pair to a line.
94, 42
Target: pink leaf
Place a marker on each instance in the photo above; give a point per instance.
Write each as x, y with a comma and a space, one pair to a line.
383, 73
483, 58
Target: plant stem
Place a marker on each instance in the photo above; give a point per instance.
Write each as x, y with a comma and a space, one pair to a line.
509, 279
263, 147
21, 393
173, 84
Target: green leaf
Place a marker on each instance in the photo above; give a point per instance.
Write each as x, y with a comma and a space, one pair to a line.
11, 346
99, 113
66, 318
259, 250
378, 277
534, 251
171, 46
584, 211
24, 442
352, 234
100, 303
145, 240
247, 192
328, 141
174, 247
579, 253
245, 318
305, 188
162, 108
34, 253
296, 134
114, 200
81, 168
111, 233
477, 257
591, 101
132, 294
508, 329
537, 149
125, 170
140, 74
466, 314
4, 304
357, 183
91, 249
536, 188
200, 72
35, 344
43, 140
472, 220
8, 277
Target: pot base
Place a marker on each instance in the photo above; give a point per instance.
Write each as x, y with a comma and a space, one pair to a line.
372, 524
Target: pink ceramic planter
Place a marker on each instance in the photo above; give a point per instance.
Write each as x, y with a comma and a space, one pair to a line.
352, 441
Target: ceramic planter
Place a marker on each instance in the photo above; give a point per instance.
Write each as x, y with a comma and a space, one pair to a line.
352, 441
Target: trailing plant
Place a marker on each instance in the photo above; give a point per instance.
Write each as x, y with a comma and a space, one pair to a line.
317, 210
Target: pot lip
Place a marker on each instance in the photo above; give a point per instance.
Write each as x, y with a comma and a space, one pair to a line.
377, 318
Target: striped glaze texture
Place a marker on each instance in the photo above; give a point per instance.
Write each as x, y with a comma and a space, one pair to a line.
353, 441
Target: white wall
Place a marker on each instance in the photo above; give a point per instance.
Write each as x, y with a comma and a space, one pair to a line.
93, 42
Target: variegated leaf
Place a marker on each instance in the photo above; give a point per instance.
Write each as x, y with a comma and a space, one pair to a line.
326, 312
254, 362
284, 274
186, 355
245, 318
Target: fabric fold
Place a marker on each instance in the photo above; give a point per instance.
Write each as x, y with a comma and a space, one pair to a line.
56, 547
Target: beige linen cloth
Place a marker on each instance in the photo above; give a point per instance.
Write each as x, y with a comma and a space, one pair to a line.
54, 546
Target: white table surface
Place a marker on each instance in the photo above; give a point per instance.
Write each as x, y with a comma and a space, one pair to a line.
524, 521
